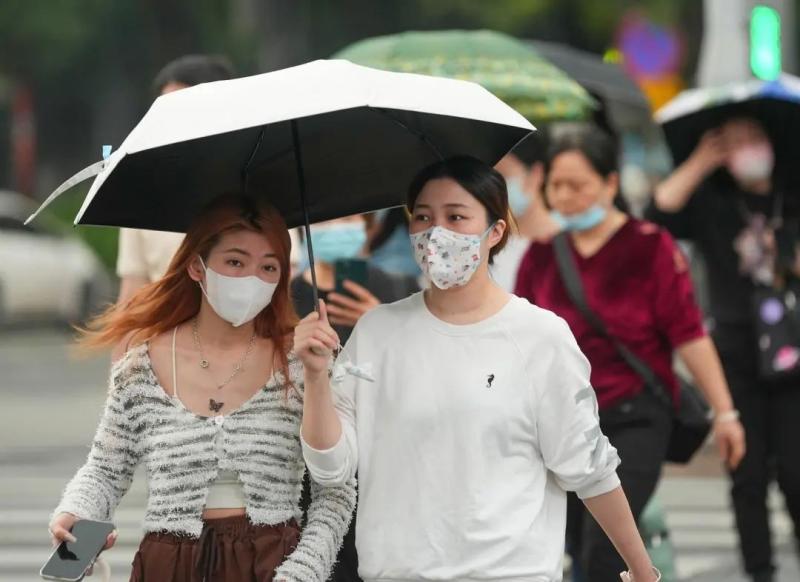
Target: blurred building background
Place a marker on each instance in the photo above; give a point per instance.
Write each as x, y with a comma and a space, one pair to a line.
77, 75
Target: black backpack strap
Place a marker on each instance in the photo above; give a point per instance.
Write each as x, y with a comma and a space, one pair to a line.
571, 278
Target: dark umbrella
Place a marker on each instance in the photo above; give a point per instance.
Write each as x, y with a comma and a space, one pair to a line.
608, 82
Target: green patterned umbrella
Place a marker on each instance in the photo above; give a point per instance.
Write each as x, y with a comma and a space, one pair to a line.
503, 65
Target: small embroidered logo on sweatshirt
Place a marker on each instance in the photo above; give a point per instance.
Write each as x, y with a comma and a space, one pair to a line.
489, 380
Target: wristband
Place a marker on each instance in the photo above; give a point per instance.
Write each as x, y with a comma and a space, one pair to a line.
727, 416
628, 577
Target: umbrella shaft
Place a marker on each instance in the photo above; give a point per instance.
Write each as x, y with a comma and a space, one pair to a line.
301, 180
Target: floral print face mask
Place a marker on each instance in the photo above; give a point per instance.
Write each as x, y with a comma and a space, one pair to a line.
447, 258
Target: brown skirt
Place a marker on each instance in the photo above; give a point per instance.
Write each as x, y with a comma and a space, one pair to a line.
230, 549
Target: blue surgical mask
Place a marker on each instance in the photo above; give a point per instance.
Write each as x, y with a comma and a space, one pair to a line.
518, 199
340, 240
583, 220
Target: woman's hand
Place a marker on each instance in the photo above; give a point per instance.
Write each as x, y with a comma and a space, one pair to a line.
60, 528
348, 310
62, 524
729, 436
315, 341
711, 153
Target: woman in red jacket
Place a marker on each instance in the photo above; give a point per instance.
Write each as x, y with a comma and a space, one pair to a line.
637, 281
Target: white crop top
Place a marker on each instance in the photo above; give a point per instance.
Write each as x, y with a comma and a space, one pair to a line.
226, 491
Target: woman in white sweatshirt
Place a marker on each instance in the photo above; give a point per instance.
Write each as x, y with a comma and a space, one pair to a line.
466, 411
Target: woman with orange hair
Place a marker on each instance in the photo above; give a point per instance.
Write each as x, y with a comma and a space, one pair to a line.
209, 396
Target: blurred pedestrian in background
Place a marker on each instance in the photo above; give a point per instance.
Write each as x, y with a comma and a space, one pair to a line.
209, 396
637, 283
144, 255
358, 287
524, 180
388, 246
744, 218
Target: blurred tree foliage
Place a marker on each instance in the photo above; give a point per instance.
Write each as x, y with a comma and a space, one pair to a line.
90, 63
586, 24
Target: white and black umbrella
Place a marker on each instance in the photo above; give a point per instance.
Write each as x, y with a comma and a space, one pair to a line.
775, 104
318, 141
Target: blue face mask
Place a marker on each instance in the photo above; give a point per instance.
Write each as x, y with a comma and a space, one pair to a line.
582, 221
518, 199
336, 241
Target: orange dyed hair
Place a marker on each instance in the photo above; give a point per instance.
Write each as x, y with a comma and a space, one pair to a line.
176, 298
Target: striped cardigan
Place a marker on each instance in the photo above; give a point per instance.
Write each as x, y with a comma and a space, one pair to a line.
260, 441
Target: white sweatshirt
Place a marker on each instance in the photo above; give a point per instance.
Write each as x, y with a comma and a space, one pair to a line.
465, 443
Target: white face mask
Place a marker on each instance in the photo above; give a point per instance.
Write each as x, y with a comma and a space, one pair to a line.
751, 163
237, 300
447, 258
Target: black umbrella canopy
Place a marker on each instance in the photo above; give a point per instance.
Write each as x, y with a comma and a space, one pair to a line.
354, 161
608, 82
776, 105
781, 121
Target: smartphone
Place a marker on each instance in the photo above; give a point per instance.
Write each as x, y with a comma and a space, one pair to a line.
70, 560
354, 270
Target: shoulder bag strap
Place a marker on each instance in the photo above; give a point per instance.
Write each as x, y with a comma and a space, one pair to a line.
572, 281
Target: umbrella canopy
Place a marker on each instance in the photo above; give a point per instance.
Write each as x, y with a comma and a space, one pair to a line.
622, 97
776, 104
318, 141
507, 67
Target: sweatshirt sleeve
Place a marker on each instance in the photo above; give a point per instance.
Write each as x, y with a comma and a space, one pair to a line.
571, 443
337, 465
99, 485
329, 516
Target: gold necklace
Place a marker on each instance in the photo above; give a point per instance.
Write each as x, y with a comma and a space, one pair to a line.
237, 368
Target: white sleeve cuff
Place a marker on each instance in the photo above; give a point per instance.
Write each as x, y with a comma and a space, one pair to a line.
328, 467
605, 485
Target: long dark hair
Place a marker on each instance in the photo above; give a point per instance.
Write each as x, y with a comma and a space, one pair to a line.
395, 218
478, 178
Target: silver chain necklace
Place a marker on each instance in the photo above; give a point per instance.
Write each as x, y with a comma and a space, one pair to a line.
237, 368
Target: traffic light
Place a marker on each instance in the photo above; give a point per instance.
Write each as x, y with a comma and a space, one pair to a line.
765, 42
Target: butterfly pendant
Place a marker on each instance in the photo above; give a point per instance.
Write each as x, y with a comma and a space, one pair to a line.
215, 406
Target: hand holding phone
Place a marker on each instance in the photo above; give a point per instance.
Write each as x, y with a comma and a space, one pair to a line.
79, 542
351, 298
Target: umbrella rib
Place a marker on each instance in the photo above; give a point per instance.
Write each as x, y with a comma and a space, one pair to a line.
418, 134
246, 169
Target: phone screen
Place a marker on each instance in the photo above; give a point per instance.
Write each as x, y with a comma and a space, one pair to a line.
71, 559
354, 270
